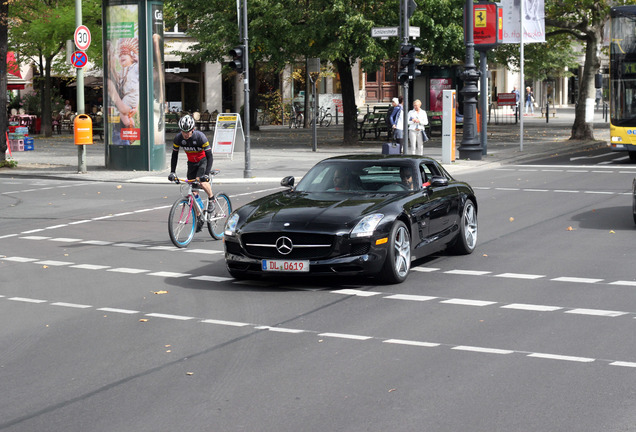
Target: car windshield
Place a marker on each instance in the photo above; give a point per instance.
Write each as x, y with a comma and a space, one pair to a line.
358, 177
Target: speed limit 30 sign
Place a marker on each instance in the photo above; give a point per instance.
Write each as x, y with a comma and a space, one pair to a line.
82, 37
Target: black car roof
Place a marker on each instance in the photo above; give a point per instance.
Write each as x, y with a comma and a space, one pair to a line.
379, 158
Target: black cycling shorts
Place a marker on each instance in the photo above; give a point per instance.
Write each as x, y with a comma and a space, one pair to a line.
197, 169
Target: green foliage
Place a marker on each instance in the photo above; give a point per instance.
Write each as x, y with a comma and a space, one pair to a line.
8, 163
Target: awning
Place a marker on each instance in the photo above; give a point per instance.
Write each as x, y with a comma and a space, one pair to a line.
14, 78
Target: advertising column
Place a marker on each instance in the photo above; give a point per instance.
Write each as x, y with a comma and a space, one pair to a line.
134, 96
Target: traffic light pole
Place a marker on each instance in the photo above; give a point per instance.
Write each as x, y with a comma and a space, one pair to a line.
405, 95
247, 173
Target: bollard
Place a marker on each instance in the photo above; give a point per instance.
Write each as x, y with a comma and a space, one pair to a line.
547, 112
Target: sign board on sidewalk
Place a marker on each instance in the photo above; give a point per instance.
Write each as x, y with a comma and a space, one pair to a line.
506, 99
82, 37
487, 22
225, 134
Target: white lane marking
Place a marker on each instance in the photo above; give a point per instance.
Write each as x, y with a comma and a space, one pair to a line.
123, 214
212, 278
531, 307
163, 248
280, 329
566, 191
506, 189
8, 235
90, 266
600, 192
116, 310
35, 237
66, 240
71, 305
79, 222
97, 242
535, 190
410, 297
54, 263
101, 217
425, 269
519, 276
592, 157
482, 350
26, 300
626, 283
130, 245
596, 312
468, 302
20, 259
128, 270
576, 280
56, 226
32, 231
225, 323
468, 272
169, 274
561, 357
411, 343
345, 336
168, 316
358, 293
623, 363
203, 251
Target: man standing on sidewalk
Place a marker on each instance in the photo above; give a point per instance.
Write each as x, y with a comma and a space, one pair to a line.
417, 122
397, 122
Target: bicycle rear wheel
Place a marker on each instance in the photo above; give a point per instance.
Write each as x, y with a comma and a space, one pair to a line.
222, 210
326, 120
181, 223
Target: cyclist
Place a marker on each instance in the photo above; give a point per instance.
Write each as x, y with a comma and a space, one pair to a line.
199, 154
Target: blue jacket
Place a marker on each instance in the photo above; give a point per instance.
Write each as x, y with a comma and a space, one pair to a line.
395, 114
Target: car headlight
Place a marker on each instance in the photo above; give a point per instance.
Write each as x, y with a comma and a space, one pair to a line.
367, 225
230, 225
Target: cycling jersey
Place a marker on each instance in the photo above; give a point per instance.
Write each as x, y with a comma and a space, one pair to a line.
197, 150
195, 146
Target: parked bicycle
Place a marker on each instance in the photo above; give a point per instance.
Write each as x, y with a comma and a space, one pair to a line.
296, 116
324, 117
187, 210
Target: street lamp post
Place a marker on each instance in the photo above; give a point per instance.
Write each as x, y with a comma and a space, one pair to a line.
470, 147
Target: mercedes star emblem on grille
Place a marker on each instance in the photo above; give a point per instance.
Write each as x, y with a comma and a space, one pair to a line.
284, 245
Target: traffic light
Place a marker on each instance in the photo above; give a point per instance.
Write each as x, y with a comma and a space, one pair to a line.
409, 62
238, 58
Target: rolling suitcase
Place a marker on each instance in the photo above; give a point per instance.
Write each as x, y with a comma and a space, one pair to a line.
391, 148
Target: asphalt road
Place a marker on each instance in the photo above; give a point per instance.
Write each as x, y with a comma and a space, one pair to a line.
106, 327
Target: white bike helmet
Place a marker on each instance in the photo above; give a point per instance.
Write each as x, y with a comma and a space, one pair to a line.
186, 123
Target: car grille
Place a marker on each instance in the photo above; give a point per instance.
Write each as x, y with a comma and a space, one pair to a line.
305, 245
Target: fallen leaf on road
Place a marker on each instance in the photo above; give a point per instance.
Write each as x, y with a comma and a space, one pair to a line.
143, 320
118, 186
189, 373
45, 266
161, 292
612, 232
392, 390
570, 228
512, 219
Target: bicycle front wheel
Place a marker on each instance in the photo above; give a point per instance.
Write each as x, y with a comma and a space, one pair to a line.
222, 210
181, 223
326, 120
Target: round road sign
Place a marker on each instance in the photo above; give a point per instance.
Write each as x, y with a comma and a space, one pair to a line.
79, 59
82, 37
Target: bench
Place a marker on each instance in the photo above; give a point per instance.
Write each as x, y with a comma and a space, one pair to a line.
371, 123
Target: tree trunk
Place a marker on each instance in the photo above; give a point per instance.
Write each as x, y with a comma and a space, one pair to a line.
350, 110
4, 12
45, 125
582, 130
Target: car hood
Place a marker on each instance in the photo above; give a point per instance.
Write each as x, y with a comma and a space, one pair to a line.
316, 211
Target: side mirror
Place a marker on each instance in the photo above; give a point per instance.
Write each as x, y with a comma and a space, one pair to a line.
439, 181
287, 181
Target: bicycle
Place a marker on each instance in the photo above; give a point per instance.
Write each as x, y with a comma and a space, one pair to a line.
296, 117
324, 117
186, 211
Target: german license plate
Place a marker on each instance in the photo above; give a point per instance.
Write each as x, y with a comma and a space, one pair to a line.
293, 266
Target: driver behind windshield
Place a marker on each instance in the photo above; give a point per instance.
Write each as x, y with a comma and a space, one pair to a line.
406, 174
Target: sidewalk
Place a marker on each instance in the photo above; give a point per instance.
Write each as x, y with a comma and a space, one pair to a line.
277, 151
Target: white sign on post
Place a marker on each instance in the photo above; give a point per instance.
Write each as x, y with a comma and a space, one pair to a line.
225, 134
82, 38
383, 32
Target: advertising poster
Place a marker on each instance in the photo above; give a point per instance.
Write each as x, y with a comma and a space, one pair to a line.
122, 104
533, 21
158, 76
437, 87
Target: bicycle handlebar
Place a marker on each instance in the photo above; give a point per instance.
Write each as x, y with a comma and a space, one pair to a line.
194, 182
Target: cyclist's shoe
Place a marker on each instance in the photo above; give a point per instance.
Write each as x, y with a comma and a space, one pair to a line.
211, 207
199, 223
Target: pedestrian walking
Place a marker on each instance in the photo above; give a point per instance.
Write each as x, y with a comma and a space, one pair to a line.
417, 122
397, 122
529, 100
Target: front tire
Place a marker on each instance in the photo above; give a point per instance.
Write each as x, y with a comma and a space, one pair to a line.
466, 240
398, 257
181, 223
222, 210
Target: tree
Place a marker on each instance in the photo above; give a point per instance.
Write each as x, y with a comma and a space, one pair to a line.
585, 21
39, 29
